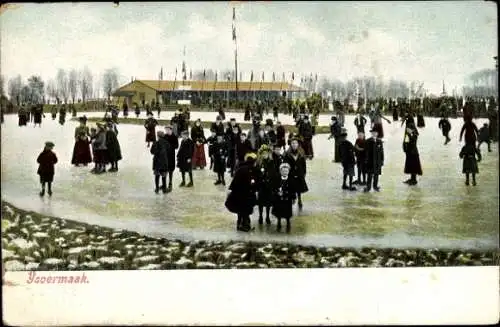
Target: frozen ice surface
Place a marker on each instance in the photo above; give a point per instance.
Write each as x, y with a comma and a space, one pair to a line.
439, 212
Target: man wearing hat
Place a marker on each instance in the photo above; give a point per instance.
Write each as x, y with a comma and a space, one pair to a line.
230, 125
173, 144
150, 126
184, 156
100, 148
270, 133
217, 126
242, 148
294, 156
241, 199
280, 135
159, 150
306, 134
374, 160
114, 152
46, 161
81, 150
347, 157
266, 178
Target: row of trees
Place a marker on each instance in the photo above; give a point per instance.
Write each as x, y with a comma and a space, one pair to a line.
65, 87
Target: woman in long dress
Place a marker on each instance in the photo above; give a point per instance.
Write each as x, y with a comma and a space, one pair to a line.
198, 136
81, 150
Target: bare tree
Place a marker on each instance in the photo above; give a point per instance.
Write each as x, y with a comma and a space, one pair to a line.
37, 89
86, 84
110, 81
73, 84
52, 90
2, 85
62, 85
14, 89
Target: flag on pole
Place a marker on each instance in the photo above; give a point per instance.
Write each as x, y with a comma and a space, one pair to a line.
283, 77
161, 74
316, 78
274, 77
216, 76
190, 75
293, 76
204, 74
263, 77
311, 78
241, 76
251, 76
234, 25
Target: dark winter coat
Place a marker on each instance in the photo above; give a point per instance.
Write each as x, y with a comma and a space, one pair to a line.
284, 193
211, 140
412, 162
220, 154
260, 141
184, 154
306, 131
197, 134
374, 156
217, 128
280, 135
160, 150
470, 130
347, 154
241, 199
360, 123
37, 117
150, 125
113, 146
445, 126
278, 159
266, 179
420, 120
484, 134
298, 169
468, 154
46, 162
232, 144
272, 137
173, 144
229, 130
242, 148
360, 154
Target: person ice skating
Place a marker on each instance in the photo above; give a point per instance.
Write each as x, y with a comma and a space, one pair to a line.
62, 115
211, 141
374, 160
335, 130
220, 154
218, 126
233, 140
150, 126
270, 133
493, 121
484, 136
125, 109
22, 116
241, 199
395, 116
137, 111
359, 147
377, 118
445, 127
198, 136
81, 150
470, 130
420, 117
92, 137
173, 144
306, 134
412, 162
284, 196
100, 148
184, 157
469, 153
46, 161
242, 148
294, 156
348, 160
277, 158
158, 109
266, 178
359, 122
54, 112
280, 135
159, 150
37, 115
114, 153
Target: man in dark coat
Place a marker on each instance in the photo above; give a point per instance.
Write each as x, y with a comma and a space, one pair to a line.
295, 157
242, 148
277, 158
220, 153
360, 122
229, 129
46, 160
37, 115
184, 156
412, 163
348, 160
242, 199
280, 135
173, 144
150, 126
335, 130
470, 130
113, 146
306, 134
445, 127
493, 122
359, 147
159, 150
266, 179
233, 139
217, 126
484, 136
62, 115
374, 160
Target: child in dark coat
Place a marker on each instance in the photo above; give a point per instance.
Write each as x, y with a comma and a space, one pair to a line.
484, 136
184, 156
211, 140
374, 160
220, 153
46, 160
359, 146
348, 159
284, 195
468, 154
445, 126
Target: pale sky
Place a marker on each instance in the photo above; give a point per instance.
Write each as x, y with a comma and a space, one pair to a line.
420, 41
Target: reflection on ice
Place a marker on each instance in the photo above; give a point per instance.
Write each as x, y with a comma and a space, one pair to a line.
439, 212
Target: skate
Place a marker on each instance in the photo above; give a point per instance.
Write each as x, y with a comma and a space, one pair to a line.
268, 221
183, 184
49, 192
218, 182
190, 184
42, 193
344, 187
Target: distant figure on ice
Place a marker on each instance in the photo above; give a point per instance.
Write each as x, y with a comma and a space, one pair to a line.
62, 115
173, 144
81, 150
159, 150
54, 112
284, 196
376, 118
294, 156
184, 156
37, 115
243, 187
158, 109
22, 116
220, 153
348, 159
468, 154
198, 136
408, 119
360, 122
266, 179
306, 134
46, 161
374, 160
420, 118
150, 126
210, 142
395, 116
137, 111
125, 109
100, 149
445, 127
470, 130
493, 122
359, 147
484, 137
412, 162
114, 153
335, 131
280, 135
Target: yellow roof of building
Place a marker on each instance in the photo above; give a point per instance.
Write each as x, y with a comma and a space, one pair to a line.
211, 86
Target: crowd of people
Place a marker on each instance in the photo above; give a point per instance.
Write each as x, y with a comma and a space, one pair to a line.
268, 168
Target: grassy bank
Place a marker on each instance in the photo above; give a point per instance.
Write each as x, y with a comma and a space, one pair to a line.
205, 124
31, 241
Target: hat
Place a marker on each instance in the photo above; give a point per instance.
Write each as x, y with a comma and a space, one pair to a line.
82, 119
250, 156
168, 126
284, 165
219, 117
49, 144
269, 122
264, 148
343, 131
232, 119
334, 117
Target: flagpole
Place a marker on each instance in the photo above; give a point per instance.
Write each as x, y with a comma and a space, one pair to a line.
235, 52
